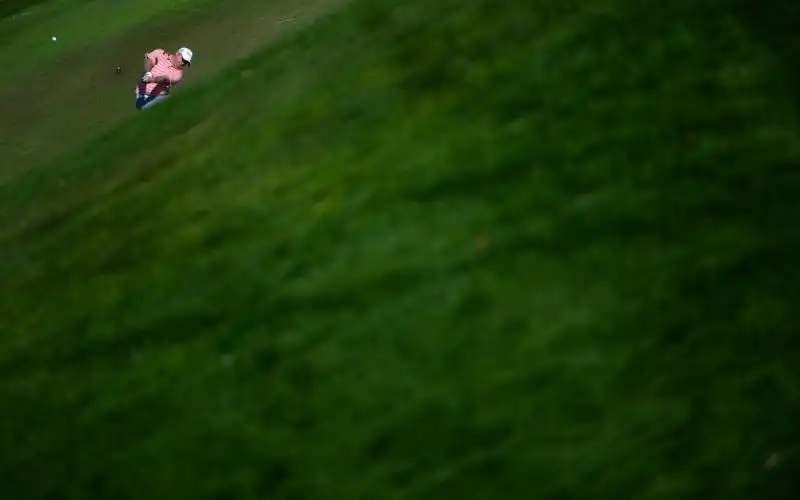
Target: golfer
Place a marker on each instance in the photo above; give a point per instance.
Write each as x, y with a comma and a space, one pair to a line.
162, 71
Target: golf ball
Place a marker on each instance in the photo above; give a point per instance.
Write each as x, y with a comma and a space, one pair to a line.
55, 39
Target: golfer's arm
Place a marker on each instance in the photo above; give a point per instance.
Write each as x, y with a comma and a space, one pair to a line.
162, 79
148, 64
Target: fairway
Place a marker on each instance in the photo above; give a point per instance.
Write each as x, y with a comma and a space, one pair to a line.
76, 77
421, 250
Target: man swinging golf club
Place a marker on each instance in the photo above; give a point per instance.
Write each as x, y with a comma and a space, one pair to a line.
162, 71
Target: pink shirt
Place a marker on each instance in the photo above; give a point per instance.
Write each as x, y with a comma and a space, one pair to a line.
162, 66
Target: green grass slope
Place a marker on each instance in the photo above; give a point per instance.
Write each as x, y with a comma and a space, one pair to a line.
428, 250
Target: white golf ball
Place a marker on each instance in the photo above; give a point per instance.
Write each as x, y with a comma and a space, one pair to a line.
55, 39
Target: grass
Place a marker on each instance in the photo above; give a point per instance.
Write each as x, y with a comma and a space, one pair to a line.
543, 251
31, 35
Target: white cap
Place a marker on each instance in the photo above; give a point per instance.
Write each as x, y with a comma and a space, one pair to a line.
186, 54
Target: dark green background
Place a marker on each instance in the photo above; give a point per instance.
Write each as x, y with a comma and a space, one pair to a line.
424, 250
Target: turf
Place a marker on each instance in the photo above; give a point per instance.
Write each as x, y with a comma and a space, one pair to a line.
75, 27
424, 250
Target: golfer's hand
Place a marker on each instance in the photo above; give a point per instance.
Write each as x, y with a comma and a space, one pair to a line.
148, 77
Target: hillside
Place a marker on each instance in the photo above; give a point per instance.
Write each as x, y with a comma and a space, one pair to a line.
424, 250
